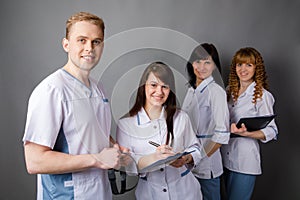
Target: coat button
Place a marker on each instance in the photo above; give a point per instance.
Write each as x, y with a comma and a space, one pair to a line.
164, 190
161, 169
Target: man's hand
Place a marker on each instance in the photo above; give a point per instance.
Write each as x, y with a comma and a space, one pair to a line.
108, 158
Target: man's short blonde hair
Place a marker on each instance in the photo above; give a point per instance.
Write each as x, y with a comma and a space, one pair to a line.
84, 16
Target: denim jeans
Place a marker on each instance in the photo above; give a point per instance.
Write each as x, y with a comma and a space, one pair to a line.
210, 188
238, 185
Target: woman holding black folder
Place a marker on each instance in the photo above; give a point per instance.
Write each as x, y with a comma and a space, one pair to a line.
155, 129
247, 97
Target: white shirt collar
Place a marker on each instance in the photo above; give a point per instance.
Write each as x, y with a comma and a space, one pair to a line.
91, 91
250, 89
205, 83
143, 118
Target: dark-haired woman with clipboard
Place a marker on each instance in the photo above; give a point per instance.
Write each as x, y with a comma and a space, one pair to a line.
156, 128
247, 97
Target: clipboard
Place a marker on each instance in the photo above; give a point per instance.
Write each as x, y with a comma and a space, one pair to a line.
255, 123
167, 160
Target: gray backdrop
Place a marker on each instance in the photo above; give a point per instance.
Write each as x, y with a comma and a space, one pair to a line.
31, 34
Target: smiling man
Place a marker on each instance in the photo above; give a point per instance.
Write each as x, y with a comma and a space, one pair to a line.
66, 139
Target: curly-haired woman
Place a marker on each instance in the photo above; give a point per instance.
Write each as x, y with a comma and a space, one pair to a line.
247, 97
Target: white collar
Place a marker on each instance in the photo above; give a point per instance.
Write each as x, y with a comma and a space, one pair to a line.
143, 118
202, 86
250, 89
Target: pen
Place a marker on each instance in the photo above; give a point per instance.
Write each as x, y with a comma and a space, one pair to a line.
154, 143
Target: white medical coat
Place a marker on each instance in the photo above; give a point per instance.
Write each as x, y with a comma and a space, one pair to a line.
68, 117
168, 182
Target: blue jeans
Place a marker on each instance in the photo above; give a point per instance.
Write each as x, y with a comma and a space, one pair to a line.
238, 186
210, 188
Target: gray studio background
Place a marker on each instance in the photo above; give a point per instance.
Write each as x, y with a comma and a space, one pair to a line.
31, 34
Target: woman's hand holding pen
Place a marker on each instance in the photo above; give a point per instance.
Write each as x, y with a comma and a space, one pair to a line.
162, 151
167, 151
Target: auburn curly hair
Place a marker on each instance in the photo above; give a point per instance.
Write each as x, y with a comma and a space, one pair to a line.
247, 55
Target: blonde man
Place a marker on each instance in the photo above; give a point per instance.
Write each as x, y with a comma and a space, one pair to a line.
66, 139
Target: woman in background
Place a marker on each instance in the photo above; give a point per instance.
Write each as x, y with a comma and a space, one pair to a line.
206, 104
247, 97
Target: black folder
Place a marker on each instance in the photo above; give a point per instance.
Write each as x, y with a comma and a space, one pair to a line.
255, 123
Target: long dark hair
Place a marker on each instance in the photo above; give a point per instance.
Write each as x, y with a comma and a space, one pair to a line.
201, 52
165, 74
